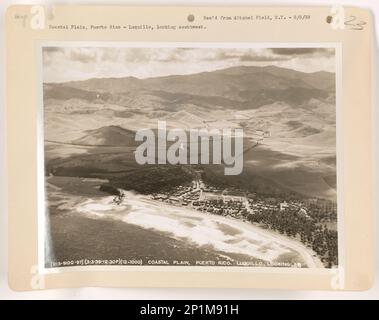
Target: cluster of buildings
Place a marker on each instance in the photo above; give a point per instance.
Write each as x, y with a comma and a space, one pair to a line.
226, 208
226, 202
207, 199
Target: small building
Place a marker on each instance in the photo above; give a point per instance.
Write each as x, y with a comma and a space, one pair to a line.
284, 205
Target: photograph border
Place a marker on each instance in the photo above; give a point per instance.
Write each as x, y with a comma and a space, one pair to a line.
41, 202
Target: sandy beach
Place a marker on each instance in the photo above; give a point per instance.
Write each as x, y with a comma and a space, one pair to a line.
224, 234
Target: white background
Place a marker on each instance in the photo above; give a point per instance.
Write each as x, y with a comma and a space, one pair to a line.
105, 293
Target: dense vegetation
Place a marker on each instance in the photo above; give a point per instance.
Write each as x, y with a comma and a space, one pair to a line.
291, 223
251, 183
152, 178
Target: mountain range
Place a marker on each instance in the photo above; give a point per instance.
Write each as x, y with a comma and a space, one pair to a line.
297, 109
236, 88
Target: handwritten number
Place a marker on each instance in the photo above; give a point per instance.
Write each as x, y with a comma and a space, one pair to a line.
354, 24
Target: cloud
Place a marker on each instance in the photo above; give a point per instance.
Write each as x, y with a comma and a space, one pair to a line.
61, 54
77, 63
52, 49
142, 55
246, 55
50, 54
171, 55
83, 55
110, 54
327, 52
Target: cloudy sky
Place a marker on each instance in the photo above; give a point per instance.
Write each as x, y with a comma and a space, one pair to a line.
62, 64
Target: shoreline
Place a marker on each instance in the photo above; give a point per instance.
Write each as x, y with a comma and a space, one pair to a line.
250, 239
290, 242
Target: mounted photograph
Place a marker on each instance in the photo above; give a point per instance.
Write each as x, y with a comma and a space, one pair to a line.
189, 156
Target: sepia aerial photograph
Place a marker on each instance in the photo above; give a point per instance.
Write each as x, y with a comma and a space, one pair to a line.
189, 156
